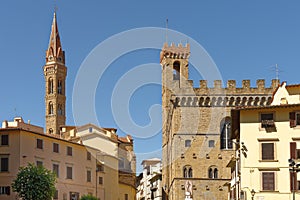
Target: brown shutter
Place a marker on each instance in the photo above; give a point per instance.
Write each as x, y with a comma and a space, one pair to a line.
293, 150
295, 180
268, 181
292, 119
291, 181
267, 151
235, 123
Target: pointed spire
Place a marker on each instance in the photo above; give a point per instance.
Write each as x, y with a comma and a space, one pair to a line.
54, 52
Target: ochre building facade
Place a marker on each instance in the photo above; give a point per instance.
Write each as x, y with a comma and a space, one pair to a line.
197, 125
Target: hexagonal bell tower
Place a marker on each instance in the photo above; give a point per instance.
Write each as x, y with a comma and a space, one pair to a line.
55, 73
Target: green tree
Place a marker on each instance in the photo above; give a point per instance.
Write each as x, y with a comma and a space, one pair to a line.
34, 183
88, 197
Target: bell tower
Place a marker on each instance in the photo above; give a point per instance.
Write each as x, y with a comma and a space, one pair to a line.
55, 73
174, 60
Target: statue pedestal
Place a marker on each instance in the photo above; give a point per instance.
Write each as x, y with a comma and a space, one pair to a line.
188, 196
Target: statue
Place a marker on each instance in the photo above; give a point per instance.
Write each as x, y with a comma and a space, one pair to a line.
188, 190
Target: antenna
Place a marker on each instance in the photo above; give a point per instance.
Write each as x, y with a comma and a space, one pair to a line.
167, 21
15, 112
274, 67
277, 72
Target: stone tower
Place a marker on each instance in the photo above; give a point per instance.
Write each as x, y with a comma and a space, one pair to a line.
55, 73
196, 131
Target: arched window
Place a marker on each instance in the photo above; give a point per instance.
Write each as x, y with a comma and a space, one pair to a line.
210, 173
187, 143
59, 87
225, 135
213, 172
50, 130
50, 86
59, 109
190, 173
51, 112
176, 70
187, 171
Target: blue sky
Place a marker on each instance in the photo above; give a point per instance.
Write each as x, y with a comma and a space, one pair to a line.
244, 38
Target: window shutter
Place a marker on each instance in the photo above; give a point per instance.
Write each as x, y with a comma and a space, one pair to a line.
268, 181
267, 151
291, 181
292, 119
295, 180
293, 150
235, 123
7, 190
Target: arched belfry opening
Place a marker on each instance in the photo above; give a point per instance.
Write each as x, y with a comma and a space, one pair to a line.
176, 70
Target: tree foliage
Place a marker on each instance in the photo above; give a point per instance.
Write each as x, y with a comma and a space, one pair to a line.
34, 183
88, 197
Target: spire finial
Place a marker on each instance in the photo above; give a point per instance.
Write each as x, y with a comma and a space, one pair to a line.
54, 51
55, 7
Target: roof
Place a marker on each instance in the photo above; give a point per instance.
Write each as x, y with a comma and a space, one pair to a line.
127, 139
267, 107
293, 85
151, 160
40, 134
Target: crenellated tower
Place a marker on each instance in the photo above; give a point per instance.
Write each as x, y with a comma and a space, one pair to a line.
55, 73
196, 143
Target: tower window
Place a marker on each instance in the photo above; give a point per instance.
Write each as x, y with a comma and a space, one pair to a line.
213, 172
176, 70
187, 143
51, 112
226, 142
211, 143
50, 85
187, 171
59, 87
59, 109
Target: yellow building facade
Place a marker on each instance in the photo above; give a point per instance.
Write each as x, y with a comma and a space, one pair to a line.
74, 164
266, 138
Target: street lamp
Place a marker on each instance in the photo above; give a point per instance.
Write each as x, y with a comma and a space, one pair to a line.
252, 194
294, 168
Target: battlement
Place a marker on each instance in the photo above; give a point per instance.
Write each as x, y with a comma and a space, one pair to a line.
176, 51
232, 89
230, 96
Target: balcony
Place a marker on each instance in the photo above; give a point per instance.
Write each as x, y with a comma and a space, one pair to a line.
268, 125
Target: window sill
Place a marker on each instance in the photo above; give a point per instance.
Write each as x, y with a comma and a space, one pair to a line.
273, 191
273, 129
227, 149
268, 160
